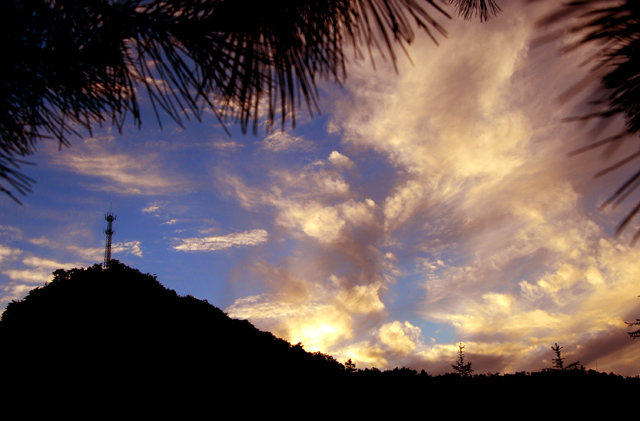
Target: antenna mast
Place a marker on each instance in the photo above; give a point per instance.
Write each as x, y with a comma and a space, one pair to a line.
109, 217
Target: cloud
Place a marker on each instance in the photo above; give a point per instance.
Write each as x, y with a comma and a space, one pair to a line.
327, 224
401, 337
214, 243
21, 281
8, 233
314, 324
123, 173
151, 208
40, 241
8, 253
479, 209
128, 247
282, 141
30, 276
86, 254
12, 291
91, 254
226, 145
336, 158
40, 272
318, 314
47, 263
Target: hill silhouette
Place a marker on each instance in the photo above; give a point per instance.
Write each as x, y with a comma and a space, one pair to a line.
117, 339
108, 333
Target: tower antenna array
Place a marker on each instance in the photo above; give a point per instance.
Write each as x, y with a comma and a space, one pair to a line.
109, 217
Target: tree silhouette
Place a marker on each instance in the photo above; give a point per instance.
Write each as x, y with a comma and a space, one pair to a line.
71, 65
118, 331
464, 370
636, 333
481, 8
350, 366
558, 361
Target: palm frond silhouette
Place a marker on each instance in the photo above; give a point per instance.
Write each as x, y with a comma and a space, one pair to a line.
613, 28
71, 65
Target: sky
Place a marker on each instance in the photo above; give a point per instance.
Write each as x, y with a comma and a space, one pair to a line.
422, 208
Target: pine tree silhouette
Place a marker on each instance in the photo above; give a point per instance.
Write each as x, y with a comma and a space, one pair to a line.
460, 367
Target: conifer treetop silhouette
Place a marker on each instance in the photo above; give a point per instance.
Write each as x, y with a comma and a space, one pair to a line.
460, 367
558, 361
71, 65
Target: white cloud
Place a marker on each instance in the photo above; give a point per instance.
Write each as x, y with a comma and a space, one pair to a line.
40, 241
8, 253
327, 224
47, 263
151, 208
92, 254
128, 247
401, 337
30, 276
11, 292
41, 272
214, 243
125, 174
336, 158
226, 145
96, 254
282, 141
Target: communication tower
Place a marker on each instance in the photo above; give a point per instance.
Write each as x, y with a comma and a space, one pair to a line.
109, 217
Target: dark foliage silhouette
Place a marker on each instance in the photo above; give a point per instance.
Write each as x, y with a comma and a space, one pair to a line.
636, 333
71, 65
558, 361
116, 339
460, 367
481, 8
505, 394
612, 27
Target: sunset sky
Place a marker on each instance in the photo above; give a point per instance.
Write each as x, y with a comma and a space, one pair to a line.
422, 208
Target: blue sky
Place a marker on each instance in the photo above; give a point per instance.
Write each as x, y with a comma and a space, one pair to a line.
422, 208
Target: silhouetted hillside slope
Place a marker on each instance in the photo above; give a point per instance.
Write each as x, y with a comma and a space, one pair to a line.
120, 329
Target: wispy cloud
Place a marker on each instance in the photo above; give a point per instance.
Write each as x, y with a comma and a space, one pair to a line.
8, 253
125, 173
481, 203
128, 247
40, 272
87, 255
226, 145
8, 233
151, 208
280, 141
214, 243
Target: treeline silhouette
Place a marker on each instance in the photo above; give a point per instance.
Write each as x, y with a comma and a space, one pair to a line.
116, 338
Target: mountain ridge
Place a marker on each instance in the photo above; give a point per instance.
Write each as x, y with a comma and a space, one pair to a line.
119, 339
